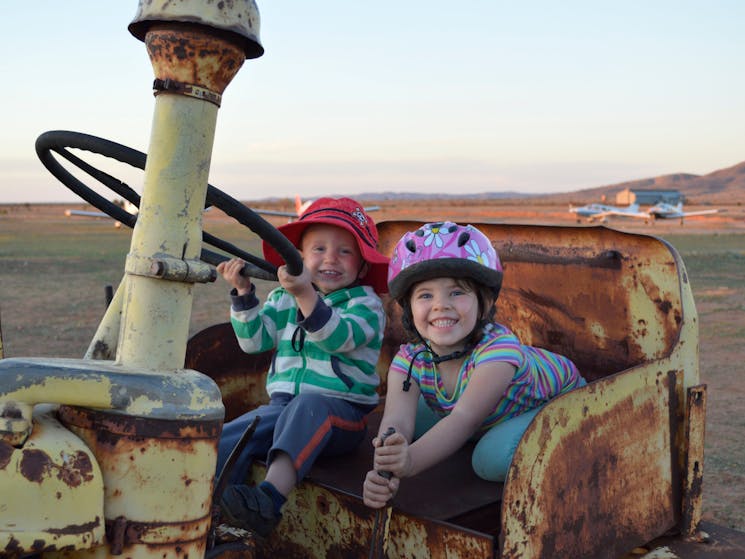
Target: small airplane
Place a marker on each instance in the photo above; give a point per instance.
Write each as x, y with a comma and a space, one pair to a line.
662, 210
300, 207
600, 212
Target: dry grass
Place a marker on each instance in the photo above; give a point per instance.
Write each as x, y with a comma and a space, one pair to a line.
53, 271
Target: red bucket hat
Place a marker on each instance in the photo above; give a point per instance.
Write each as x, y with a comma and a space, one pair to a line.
349, 215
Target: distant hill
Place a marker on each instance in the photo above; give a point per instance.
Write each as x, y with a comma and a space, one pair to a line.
726, 186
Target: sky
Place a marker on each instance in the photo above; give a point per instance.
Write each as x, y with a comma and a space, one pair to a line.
401, 95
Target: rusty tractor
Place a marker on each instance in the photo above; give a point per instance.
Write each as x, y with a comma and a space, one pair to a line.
113, 454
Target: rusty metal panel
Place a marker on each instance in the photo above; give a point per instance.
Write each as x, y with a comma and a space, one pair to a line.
189, 58
693, 478
51, 491
595, 473
158, 479
324, 523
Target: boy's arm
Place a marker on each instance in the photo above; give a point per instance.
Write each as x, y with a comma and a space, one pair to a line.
255, 328
337, 329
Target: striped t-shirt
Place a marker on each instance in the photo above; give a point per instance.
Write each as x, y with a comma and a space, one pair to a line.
539, 374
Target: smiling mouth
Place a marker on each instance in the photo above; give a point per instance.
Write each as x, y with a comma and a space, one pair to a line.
443, 322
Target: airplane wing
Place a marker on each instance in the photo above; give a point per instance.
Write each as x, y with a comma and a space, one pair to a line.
637, 215
603, 216
84, 213
275, 213
700, 212
675, 212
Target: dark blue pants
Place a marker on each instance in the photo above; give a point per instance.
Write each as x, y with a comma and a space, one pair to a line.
305, 427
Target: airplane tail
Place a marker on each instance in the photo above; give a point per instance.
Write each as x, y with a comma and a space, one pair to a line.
301, 206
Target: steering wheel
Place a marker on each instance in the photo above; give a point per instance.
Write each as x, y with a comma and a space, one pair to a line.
59, 140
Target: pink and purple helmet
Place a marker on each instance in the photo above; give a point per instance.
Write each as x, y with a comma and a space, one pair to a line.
443, 249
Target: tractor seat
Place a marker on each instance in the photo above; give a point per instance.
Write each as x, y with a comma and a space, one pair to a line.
448, 490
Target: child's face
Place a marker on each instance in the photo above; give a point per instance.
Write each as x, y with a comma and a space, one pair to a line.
332, 257
444, 313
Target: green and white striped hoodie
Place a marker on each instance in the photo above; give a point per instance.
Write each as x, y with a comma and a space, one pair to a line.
334, 351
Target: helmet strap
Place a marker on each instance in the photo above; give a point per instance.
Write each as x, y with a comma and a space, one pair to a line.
435, 359
450, 356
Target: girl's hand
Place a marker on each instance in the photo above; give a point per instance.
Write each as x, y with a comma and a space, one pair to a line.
393, 455
231, 272
377, 490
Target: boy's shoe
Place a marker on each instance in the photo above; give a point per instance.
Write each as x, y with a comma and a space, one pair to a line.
249, 508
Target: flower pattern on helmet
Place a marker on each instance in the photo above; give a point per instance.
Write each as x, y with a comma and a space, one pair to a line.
437, 233
476, 254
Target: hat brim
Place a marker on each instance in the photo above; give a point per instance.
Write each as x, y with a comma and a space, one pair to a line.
377, 273
443, 267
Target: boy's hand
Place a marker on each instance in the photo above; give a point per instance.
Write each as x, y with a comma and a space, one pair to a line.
295, 285
377, 490
231, 271
300, 287
392, 455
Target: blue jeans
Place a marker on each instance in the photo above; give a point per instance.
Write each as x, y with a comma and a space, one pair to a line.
303, 426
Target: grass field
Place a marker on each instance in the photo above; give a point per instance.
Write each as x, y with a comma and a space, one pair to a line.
53, 273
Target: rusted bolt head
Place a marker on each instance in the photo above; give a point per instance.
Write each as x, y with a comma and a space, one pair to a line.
237, 20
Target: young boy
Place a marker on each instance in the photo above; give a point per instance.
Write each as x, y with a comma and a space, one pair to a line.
327, 328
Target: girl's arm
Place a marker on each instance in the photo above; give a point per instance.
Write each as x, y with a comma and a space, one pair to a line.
399, 413
485, 388
400, 408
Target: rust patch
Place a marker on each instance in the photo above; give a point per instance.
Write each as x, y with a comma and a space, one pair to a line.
11, 411
74, 469
186, 53
13, 545
6, 452
76, 528
110, 428
323, 504
35, 465
664, 306
101, 350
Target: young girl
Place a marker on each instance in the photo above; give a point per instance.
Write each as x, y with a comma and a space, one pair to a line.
463, 376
